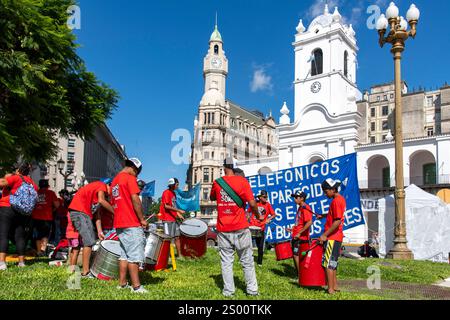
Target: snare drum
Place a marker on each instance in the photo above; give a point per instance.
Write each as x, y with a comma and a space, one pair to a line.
193, 234
153, 246
106, 262
157, 251
257, 232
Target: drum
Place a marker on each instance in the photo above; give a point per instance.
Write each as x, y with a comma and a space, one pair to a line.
106, 262
257, 232
193, 238
283, 251
153, 246
162, 259
311, 272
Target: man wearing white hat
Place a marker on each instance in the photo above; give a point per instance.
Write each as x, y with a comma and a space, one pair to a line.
129, 223
170, 212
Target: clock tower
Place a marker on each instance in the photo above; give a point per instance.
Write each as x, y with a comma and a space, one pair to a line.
215, 64
325, 65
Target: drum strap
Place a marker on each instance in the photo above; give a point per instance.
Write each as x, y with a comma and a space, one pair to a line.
233, 195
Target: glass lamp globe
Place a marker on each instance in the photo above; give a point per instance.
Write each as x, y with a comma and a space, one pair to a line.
392, 11
413, 13
382, 23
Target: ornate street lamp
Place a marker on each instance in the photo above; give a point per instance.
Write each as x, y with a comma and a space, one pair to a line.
397, 37
70, 166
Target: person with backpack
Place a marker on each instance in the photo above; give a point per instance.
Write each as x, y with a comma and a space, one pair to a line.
43, 216
19, 196
231, 193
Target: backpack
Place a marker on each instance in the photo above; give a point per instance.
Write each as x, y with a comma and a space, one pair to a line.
25, 199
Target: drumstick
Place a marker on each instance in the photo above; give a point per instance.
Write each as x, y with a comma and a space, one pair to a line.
150, 217
304, 207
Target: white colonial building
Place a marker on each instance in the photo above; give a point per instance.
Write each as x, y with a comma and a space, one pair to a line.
331, 118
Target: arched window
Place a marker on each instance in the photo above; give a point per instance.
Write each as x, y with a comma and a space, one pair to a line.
317, 62
346, 64
216, 49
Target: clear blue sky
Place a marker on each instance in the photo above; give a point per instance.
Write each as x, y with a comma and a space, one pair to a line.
152, 53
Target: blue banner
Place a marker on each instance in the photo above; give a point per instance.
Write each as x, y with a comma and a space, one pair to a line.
149, 190
282, 184
189, 200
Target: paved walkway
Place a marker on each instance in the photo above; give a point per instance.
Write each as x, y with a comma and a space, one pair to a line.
399, 290
445, 283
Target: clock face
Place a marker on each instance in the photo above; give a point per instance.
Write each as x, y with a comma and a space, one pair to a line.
216, 63
315, 87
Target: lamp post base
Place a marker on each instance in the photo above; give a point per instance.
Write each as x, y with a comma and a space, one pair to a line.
400, 254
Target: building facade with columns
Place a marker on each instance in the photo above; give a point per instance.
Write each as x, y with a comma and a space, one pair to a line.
331, 118
223, 128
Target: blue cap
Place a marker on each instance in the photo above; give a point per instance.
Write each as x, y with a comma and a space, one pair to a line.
106, 180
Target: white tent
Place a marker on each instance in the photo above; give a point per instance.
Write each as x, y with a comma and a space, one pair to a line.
427, 225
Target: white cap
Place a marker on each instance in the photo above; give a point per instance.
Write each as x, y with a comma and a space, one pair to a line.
135, 162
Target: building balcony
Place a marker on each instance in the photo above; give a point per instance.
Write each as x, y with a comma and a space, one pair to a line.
442, 181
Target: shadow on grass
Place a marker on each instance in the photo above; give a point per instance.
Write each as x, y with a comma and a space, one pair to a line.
149, 278
237, 282
287, 272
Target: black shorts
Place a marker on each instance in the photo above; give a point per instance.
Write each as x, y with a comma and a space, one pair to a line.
295, 246
41, 229
332, 251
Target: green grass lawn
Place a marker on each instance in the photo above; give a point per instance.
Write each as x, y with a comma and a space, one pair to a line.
201, 280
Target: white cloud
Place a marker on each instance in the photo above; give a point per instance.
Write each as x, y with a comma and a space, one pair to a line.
261, 80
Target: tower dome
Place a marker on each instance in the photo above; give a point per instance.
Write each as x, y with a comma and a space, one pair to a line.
216, 36
213, 97
324, 20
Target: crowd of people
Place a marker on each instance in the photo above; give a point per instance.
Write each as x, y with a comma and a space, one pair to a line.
114, 204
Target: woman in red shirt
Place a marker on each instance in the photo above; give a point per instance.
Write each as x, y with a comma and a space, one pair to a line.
10, 221
267, 213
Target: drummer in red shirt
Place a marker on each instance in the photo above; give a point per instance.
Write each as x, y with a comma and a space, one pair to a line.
81, 216
43, 216
129, 223
334, 232
12, 223
170, 212
266, 213
303, 222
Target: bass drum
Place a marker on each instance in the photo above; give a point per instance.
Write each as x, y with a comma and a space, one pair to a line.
193, 238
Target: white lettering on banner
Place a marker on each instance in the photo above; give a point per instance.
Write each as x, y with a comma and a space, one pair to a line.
353, 216
295, 175
291, 212
316, 227
278, 214
335, 166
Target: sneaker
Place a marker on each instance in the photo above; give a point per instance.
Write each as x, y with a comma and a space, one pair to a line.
228, 295
88, 275
21, 265
126, 286
253, 294
139, 289
3, 266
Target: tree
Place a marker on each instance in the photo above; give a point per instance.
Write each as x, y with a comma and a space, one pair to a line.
45, 89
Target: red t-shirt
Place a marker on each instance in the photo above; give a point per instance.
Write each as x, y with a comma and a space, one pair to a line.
44, 206
14, 182
168, 197
303, 216
230, 217
123, 187
336, 212
265, 211
86, 197
107, 219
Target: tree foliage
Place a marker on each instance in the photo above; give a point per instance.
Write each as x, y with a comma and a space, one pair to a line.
45, 89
